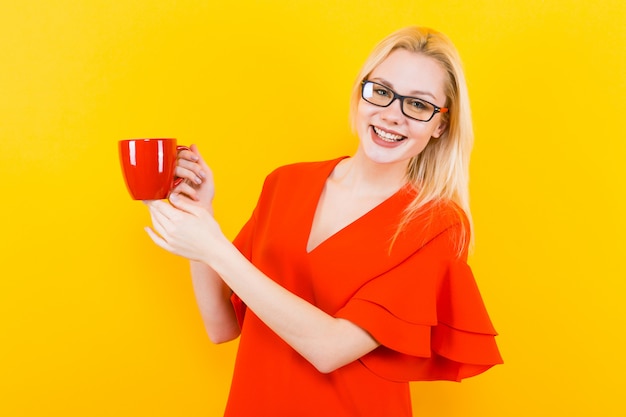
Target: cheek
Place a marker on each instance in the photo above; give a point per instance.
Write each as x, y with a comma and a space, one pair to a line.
421, 137
361, 114
419, 146
422, 133
363, 119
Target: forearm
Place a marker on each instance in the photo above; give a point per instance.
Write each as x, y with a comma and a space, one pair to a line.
325, 341
213, 298
190, 231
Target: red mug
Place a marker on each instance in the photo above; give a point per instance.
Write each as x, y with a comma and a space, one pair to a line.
148, 166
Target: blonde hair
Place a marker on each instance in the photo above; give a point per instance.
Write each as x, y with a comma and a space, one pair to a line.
440, 173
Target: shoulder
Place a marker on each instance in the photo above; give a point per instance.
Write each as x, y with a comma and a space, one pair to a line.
448, 213
438, 214
296, 181
305, 168
302, 171
441, 223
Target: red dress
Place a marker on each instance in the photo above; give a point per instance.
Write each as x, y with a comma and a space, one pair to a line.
418, 299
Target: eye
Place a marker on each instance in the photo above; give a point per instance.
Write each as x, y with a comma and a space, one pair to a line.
383, 92
417, 104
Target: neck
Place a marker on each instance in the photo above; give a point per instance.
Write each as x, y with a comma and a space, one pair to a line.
366, 177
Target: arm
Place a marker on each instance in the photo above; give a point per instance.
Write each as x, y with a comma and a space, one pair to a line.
326, 342
191, 231
212, 295
213, 298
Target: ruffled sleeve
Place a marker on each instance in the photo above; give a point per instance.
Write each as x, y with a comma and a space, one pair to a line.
428, 315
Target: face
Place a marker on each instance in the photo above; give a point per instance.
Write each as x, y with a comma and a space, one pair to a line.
386, 135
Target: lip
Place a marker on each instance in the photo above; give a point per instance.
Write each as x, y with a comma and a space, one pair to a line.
384, 143
391, 132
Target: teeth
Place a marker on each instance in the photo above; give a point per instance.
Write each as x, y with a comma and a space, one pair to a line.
387, 137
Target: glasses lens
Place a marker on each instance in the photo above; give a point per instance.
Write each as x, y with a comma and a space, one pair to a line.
377, 94
417, 109
412, 107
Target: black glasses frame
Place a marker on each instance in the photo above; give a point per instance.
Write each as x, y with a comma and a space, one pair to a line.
436, 110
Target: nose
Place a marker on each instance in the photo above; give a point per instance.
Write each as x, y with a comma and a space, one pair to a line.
393, 112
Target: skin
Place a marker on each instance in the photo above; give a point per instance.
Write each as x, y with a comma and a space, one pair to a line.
186, 227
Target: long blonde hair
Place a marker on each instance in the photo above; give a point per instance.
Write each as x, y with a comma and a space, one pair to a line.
441, 171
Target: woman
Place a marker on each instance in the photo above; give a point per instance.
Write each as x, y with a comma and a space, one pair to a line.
350, 278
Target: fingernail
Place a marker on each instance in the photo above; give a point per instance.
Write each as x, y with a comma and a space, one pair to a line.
173, 197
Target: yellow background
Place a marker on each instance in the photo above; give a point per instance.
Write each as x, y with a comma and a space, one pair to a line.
97, 321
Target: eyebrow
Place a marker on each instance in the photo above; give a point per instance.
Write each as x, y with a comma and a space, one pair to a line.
390, 85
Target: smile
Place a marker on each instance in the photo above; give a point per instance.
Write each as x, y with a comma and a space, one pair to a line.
388, 137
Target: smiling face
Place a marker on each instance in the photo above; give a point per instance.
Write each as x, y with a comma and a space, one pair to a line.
386, 135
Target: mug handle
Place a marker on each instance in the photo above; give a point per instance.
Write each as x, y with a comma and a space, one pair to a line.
179, 148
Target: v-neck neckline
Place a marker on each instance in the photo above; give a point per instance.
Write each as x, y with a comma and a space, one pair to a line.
354, 223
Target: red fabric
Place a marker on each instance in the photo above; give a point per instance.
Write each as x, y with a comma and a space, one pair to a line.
415, 297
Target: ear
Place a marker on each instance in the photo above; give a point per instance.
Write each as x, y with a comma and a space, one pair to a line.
439, 130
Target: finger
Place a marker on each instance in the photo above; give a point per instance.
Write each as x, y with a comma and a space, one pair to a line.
160, 225
201, 161
185, 205
158, 240
189, 155
164, 212
185, 190
191, 172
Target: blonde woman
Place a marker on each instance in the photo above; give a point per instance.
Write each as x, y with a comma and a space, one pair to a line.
350, 279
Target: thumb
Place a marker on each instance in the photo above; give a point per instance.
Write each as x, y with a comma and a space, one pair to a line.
183, 204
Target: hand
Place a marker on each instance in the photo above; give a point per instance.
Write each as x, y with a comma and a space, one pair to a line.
185, 229
197, 177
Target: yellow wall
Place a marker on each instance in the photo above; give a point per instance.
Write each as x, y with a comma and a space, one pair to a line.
97, 321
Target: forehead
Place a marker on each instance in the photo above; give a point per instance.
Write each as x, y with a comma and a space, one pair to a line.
411, 73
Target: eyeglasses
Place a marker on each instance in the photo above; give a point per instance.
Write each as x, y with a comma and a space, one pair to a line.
412, 107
